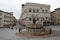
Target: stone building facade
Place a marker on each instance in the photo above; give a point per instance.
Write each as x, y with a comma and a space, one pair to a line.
41, 12
55, 16
7, 19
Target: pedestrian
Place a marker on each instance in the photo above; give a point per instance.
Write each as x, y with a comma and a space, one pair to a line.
19, 29
12, 28
50, 30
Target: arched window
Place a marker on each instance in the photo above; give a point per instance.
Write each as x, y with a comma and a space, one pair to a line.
46, 17
37, 11
30, 10
29, 19
46, 11
33, 10
23, 5
42, 11
0, 18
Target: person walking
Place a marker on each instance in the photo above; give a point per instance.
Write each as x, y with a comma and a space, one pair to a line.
19, 29
12, 28
50, 30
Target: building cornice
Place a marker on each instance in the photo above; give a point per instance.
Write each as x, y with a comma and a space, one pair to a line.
7, 12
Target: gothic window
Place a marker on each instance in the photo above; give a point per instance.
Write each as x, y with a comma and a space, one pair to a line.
42, 18
46, 17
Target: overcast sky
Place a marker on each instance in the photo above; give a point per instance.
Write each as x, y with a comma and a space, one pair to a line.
15, 5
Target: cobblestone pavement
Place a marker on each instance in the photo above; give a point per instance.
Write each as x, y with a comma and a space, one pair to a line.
9, 34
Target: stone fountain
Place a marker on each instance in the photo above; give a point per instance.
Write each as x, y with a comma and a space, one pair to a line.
35, 29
